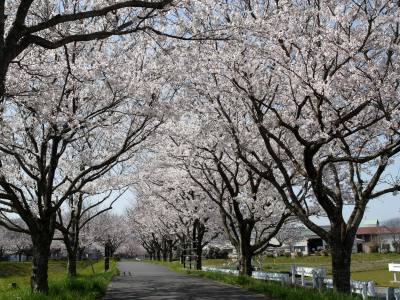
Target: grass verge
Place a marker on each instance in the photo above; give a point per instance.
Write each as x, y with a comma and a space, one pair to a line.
86, 286
270, 289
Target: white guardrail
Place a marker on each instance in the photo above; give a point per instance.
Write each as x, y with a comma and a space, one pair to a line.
364, 288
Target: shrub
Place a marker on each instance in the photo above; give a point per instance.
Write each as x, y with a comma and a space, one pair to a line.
324, 252
385, 248
281, 253
396, 246
215, 252
373, 247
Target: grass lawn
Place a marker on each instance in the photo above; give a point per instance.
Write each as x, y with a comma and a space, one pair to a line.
364, 266
271, 289
86, 285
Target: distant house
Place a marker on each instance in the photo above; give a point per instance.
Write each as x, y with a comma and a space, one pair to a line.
369, 235
383, 238
308, 242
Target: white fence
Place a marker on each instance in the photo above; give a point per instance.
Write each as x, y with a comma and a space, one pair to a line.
282, 277
317, 274
364, 288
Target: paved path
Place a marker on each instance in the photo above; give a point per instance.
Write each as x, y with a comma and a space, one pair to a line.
158, 283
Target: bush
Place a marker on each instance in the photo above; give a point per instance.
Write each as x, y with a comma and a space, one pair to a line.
324, 252
281, 253
373, 247
287, 254
396, 246
215, 252
385, 248
300, 254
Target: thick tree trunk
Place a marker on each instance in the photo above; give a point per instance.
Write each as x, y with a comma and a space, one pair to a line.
170, 255
245, 264
164, 254
71, 268
158, 254
19, 256
246, 255
341, 260
199, 253
41, 250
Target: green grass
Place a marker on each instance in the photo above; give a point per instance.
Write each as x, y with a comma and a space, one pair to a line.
373, 266
274, 290
86, 286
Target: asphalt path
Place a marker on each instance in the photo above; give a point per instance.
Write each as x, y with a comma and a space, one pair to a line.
138, 280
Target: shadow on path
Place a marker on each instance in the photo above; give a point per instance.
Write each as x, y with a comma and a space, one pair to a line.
156, 282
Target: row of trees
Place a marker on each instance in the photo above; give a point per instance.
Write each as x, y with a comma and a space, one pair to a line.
75, 108
90, 240
265, 111
297, 113
14, 243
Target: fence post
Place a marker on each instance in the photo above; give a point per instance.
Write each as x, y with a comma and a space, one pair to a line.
314, 279
396, 293
365, 290
293, 274
390, 294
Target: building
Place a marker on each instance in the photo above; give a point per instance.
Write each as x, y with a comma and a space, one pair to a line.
379, 238
308, 242
370, 237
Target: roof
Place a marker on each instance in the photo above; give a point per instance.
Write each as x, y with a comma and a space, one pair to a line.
370, 223
378, 230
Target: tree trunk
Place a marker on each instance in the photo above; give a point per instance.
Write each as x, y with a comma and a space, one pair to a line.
71, 268
170, 255
19, 256
199, 253
245, 267
164, 254
245, 264
41, 250
341, 260
158, 254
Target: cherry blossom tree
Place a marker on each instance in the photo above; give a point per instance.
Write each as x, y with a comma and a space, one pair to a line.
95, 119
214, 179
19, 244
191, 217
155, 225
14, 243
4, 243
251, 212
29, 24
109, 228
79, 213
